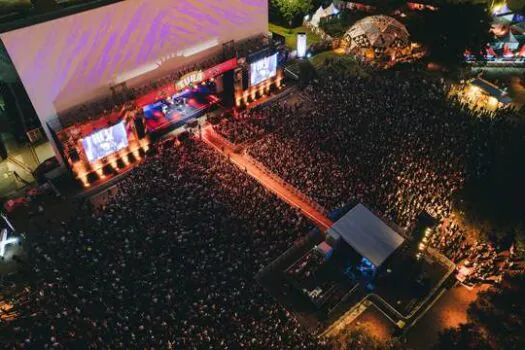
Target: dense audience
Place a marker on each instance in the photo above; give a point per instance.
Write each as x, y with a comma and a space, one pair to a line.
249, 125
394, 143
169, 263
477, 262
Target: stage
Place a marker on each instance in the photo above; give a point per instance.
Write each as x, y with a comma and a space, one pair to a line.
174, 111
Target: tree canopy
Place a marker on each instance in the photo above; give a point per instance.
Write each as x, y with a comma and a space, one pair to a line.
289, 9
360, 338
516, 5
449, 31
466, 336
495, 320
493, 203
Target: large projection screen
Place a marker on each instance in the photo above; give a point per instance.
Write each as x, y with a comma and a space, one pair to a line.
105, 142
67, 61
263, 69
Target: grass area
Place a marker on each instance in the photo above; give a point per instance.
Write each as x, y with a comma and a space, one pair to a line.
339, 61
291, 35
319, 59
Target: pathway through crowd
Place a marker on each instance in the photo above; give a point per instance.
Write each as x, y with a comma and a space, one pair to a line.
269, 180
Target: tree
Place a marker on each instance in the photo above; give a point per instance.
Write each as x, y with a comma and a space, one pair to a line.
466, 336
389, 6
360, 338
289, 9
500, 312
45, 5
495, 320
516, 5
493, 202
452, 29
14, 6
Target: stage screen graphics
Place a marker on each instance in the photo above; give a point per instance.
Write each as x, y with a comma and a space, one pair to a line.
70, 60
105, 142
179, 107
263, 69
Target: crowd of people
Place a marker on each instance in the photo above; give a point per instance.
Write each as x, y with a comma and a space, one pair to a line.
477, 261
249, 125
169, 262
394, 143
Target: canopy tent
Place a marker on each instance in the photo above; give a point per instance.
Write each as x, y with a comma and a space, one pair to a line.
367, 234
522, 51
322, 13
509, 40
491, 90
317, 16
331, 10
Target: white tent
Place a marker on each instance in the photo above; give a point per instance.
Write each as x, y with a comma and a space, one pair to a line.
317, 16
322, 13
331, 10
367, 234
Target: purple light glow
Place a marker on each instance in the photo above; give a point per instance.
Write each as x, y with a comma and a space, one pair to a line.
73, 59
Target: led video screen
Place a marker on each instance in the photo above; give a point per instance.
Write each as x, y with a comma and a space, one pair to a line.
70, 60
179, 107
263, 69
105, 142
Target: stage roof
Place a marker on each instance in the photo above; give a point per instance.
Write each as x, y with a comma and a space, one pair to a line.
367, 234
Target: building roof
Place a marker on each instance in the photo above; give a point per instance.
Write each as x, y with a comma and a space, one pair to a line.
367, 234
491, 89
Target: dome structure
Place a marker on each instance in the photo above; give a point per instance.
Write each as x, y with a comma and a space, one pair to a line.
377, 37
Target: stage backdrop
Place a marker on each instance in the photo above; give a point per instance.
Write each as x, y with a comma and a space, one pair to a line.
74, 59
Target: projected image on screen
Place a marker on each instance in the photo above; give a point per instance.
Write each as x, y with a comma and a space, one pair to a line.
105, 142
263, 69
76, 58
179, 107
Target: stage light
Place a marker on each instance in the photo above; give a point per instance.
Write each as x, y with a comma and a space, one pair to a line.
7, 222
4, 241
100, 172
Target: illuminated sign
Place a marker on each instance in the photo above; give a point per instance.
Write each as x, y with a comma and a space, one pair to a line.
220, 68
171, 89
189, 79
301, 45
